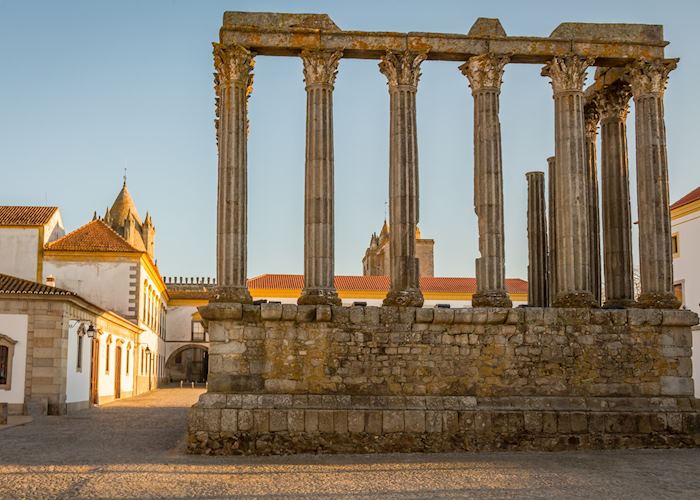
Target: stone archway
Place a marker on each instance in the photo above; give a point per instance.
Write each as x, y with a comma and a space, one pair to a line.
188, 363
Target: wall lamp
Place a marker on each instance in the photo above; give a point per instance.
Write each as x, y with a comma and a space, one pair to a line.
91, 331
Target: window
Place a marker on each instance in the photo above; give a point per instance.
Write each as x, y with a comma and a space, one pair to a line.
197, 331
7, 349
79, 361
128, 357
144, 308
675, 249
108, 345
678, 291
4, 364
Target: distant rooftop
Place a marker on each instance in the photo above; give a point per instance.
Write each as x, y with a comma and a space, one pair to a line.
689, 198
197, 288
12, 284
95, 236
25, 216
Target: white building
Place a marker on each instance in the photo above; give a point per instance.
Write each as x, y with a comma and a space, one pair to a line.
110, 262
106, 271
59, 352
685, 230
24, 231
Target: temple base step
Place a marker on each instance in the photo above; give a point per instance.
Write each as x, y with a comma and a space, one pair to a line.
252, 424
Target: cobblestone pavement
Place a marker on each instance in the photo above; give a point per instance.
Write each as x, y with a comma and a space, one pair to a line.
134, 448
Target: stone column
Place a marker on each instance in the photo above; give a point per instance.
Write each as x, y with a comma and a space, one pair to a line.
591, 118
320, 69
485, 73
648, 81
613, 104
573, 253
552, 229
402, 70
537, 269
234, 81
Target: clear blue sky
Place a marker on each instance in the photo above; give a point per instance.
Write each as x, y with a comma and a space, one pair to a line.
87, 87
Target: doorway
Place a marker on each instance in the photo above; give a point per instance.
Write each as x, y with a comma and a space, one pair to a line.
94, 371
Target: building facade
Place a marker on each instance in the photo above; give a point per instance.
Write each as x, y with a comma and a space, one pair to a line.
60, 352
685, 238
24, 231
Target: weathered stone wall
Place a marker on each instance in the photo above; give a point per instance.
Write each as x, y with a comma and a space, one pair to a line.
278, 348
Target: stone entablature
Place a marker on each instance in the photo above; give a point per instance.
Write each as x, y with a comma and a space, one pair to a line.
284, 348
288, 34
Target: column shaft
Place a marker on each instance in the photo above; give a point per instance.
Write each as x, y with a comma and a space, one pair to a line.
648, 80
234, 66
573, 257
320, 68
617, 220
537, 270
403, 71
484, 73
591, 118
552, 229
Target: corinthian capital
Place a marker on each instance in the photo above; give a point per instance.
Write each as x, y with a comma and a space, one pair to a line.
591, 117
402, 68
613, 101
485, 71
649, 77
234, 65
320, 66
568, 73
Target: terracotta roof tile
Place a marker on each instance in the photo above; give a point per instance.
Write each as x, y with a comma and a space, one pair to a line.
95, 236
381, 283
12, 284
25, 216
688, 198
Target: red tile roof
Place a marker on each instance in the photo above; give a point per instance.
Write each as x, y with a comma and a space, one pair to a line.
12, 284
688, 198
25, 216
95, 236
380, 283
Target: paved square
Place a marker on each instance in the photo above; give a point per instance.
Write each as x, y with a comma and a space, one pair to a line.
134, 448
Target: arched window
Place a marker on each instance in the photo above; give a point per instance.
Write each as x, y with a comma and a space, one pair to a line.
144, 307
7, 350
79, 361
108, 348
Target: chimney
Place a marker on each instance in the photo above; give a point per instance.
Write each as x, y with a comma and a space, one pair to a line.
51, 281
